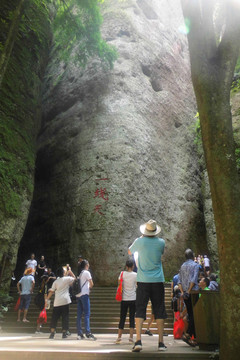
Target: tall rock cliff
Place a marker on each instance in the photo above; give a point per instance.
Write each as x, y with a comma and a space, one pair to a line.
116, 148
20, 118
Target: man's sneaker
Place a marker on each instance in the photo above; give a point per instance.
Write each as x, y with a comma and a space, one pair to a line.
80, 337
161, 347
64, 336
51, 336
137, 346
68, 333
148, 332
90, 336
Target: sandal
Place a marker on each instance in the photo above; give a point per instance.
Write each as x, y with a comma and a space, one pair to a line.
186, 338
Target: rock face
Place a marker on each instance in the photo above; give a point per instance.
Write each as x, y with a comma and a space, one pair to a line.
116, 148
20, 119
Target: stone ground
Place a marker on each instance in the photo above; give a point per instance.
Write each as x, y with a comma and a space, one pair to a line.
26, 347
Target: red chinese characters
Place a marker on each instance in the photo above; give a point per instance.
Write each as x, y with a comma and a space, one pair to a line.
100, 193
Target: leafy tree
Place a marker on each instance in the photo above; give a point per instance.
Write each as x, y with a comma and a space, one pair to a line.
213, 54
76, 25
6, 49
77, 31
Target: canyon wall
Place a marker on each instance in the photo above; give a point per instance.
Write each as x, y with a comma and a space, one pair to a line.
20, 119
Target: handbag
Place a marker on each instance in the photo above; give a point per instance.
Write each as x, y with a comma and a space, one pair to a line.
17, 304
178, 327
118, 296
42, 319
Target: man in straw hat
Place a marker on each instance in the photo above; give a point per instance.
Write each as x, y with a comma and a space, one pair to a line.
150, 280
27, 283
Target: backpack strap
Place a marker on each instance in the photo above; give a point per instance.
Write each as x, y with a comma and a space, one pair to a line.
80, 282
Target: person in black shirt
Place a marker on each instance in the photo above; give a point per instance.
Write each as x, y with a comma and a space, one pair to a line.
41, 268
51, 278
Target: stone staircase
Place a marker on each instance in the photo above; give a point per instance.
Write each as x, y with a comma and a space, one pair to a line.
105, 312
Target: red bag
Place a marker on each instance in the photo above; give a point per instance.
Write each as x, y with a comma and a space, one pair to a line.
42, 319
178, 326
17, 304
119, 289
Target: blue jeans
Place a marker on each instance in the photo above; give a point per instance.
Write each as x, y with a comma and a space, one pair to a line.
83, 306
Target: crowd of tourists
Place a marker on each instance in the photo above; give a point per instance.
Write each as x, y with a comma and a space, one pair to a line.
61, 285
141, 281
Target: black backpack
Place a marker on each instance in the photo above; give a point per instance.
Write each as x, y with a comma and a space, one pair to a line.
75, 289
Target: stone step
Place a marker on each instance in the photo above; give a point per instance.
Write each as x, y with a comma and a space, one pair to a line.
105, 312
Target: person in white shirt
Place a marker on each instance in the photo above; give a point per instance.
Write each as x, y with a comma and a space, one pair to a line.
32, 263
83, 302
206, 265
128, 300
60, 287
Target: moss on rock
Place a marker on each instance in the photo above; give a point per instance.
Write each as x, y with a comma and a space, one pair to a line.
20, 113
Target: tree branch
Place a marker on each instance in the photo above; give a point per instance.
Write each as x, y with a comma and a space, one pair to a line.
230, 43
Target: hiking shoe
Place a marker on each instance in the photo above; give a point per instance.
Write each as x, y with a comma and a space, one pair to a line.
51, 336
80, 337
148, 332
161, 347
64, 336
137, 346
90, 336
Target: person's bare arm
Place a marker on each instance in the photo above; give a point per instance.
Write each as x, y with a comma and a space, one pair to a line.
32, 287
50, 292
180, 287
18, 287
90, 283
70, 273
191, 285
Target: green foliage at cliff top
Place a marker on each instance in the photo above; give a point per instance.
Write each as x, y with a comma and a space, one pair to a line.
77, 32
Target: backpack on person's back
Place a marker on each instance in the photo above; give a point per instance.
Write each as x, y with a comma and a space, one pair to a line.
76, 289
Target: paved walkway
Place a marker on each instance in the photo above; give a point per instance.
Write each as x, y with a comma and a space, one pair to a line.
39, 347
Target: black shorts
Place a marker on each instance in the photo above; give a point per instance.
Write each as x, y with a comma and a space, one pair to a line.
154, 292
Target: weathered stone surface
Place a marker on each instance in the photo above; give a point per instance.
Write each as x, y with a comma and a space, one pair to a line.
20, 119
116, 147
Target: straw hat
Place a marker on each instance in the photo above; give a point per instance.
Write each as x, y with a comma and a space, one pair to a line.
150, 228
28, 271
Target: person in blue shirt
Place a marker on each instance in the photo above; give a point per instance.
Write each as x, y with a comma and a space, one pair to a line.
25, 288
150, 278
174, 282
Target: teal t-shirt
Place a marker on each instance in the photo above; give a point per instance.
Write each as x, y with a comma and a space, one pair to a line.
149, 252
26, 283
